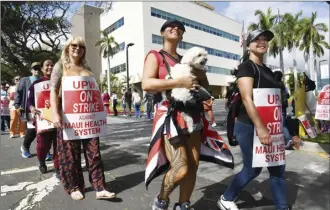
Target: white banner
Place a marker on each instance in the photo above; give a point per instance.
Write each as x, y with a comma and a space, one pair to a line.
323, 104
269, 107
83, 111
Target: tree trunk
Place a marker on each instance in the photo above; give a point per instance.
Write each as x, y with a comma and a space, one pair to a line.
108, 73
311, 63
265, 57
281, 61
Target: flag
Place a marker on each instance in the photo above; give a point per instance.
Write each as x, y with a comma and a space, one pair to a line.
242, 36
277, 19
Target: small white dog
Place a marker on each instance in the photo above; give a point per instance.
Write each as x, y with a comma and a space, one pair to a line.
194, 58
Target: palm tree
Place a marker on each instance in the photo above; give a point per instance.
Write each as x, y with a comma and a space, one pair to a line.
312, 42
108, 48
265, 22
292, 28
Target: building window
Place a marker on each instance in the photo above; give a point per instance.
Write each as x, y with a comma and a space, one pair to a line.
193, 24
218, 70
185, 45
121, 48
119, 23
118, 69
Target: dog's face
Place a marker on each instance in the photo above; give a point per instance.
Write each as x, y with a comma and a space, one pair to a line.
195, 57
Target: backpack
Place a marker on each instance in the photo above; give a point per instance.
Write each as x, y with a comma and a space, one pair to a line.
137, 99
234, 104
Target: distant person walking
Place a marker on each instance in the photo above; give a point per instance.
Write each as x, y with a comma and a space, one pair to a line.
17, 126
136, 99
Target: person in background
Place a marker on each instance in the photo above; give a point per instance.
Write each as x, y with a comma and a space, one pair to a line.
114, 103
136, 100
253, 73
208, 108
148, 99
17, 126
128, 100
106, 100
123, 104
20, 101
5, 114
45, 139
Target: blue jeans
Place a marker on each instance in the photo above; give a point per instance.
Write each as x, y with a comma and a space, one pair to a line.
137, 110
244, 136
287, 135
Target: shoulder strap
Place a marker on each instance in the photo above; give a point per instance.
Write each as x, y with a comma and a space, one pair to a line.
253, 66
168, 68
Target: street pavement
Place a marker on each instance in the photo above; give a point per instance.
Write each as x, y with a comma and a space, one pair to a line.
124, 152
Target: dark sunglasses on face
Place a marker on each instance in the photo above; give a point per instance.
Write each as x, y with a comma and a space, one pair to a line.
16, 79
74, 46
36, 68
175, 25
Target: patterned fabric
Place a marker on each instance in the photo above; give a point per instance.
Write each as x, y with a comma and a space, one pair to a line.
213, 148
70, 163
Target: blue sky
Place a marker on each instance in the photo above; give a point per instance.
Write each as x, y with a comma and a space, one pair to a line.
240, 11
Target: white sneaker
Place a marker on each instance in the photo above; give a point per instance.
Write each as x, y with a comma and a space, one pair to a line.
226, 205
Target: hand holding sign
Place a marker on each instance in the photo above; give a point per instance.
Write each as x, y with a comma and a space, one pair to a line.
263, 135
57, 121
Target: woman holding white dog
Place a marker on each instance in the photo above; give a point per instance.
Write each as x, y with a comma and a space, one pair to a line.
171, 149
252, 73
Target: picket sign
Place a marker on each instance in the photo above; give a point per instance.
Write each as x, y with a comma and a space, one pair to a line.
269, 108
323, 104
5, 111
83, 111
41, 95
307, 126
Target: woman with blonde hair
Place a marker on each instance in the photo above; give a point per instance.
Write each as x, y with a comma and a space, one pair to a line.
73, 63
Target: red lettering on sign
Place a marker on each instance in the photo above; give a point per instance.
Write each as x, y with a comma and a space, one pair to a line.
273, 99
83, 84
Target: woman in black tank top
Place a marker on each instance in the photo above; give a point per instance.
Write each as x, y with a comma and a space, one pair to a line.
252, 73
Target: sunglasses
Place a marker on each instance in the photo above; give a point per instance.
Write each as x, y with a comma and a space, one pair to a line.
173, 25
17, 79
36, 68
74, 46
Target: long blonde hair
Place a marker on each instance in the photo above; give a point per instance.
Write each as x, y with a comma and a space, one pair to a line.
65, 59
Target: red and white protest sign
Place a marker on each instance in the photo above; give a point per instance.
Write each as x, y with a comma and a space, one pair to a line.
269, 108
307, 126
323, 104
41, 96
5, 111
83, 110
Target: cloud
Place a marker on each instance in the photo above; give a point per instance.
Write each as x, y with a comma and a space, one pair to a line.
245, 11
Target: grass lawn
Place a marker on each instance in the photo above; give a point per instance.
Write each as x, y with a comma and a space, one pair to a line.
323, 139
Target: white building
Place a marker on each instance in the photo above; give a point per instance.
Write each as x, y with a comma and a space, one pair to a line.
140, 23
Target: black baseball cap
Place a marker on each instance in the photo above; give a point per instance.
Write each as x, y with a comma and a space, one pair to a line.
170, 22
256, 33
